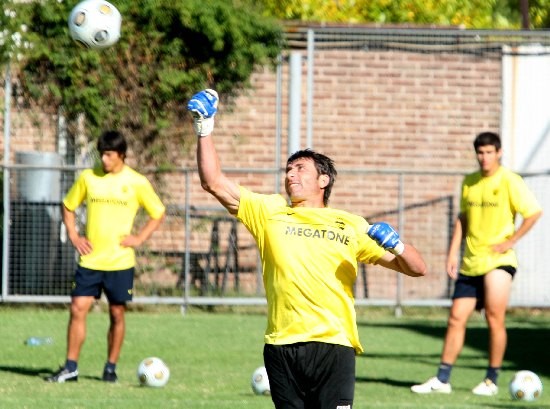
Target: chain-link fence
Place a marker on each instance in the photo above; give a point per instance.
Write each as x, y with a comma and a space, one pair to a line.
202, 255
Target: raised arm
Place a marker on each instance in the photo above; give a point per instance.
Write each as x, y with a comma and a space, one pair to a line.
203, 106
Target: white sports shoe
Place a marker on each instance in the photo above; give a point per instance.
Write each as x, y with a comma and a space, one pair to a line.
432, 385
485, 388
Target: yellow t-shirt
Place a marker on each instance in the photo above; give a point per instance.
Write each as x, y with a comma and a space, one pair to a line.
112, 202
490, 205
309, 259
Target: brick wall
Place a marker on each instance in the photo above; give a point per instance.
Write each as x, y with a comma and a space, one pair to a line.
375, 110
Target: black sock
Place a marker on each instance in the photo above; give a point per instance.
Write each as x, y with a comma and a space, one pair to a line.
71, 365
444, 372
110, 367
492, 374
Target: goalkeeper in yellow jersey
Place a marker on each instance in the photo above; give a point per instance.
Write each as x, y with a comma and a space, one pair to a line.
491, 199
309, 254
113, 194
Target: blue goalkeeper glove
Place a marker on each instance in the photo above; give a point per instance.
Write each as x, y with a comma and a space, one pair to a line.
203, 106
386, 237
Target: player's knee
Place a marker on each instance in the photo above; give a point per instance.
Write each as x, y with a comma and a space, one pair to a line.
456, 321
495, 319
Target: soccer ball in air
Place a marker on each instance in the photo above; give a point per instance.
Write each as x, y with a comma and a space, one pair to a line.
260, 382
525, 385
153, 372
95, 24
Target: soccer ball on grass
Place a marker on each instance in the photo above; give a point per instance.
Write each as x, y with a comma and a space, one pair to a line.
95, 24
260, 382
526, 386
153, 372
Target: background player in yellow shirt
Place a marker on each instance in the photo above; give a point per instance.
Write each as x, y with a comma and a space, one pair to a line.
309, 254
490, 200
113, 195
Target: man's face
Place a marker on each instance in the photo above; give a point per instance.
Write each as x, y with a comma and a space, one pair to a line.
303, 183
488, 158
112, 161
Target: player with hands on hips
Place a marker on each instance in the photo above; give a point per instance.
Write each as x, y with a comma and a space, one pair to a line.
112, 193
310, 254
484, 234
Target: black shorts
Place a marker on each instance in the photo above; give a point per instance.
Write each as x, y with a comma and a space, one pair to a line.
473, 286
117, 285
311, 375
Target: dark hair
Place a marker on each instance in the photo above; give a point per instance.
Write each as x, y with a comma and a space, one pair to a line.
487, 138
112, 141
323, 164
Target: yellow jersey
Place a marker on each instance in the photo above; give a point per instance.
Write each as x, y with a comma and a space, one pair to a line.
490, 205
309, 259
112, 202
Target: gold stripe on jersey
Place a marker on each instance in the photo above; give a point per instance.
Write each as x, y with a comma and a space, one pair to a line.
490, 205
112, 202
309, 259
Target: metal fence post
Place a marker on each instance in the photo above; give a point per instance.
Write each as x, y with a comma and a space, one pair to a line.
6, 183
187, 258
400, 227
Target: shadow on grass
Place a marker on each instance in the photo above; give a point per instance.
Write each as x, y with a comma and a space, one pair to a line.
40, 372
385, 381
25, 371
527, 344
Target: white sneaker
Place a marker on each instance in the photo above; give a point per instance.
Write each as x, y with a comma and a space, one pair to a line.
485, 388
432, 385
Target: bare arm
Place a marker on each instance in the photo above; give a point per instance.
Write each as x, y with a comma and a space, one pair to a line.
81, 243
525, 226
212, 179
410, 262
454, 248
144, 234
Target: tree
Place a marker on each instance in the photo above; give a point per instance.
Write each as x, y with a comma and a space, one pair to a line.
168, 50
12, 34
539, 13
479, 14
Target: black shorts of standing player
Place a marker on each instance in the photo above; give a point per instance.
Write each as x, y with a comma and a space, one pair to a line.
473, 286
117, 285
311, 375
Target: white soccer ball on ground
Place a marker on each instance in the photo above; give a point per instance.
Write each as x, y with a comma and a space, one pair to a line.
95, 24
153, 372
260, 382
525, 385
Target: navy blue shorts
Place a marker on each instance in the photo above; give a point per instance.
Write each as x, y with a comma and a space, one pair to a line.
117, 285
473, 286
310, 375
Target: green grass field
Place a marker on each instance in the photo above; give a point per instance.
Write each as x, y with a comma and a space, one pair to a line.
212, 355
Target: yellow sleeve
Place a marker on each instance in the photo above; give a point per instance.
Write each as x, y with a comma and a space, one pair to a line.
522, 199
77, 193
149, 200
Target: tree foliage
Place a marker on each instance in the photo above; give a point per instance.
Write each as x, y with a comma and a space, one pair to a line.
168, 50
13, 33
479, 14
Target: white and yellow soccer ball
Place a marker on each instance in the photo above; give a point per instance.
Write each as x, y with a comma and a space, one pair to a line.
153, 372
95, 24
526, 386
260, 382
